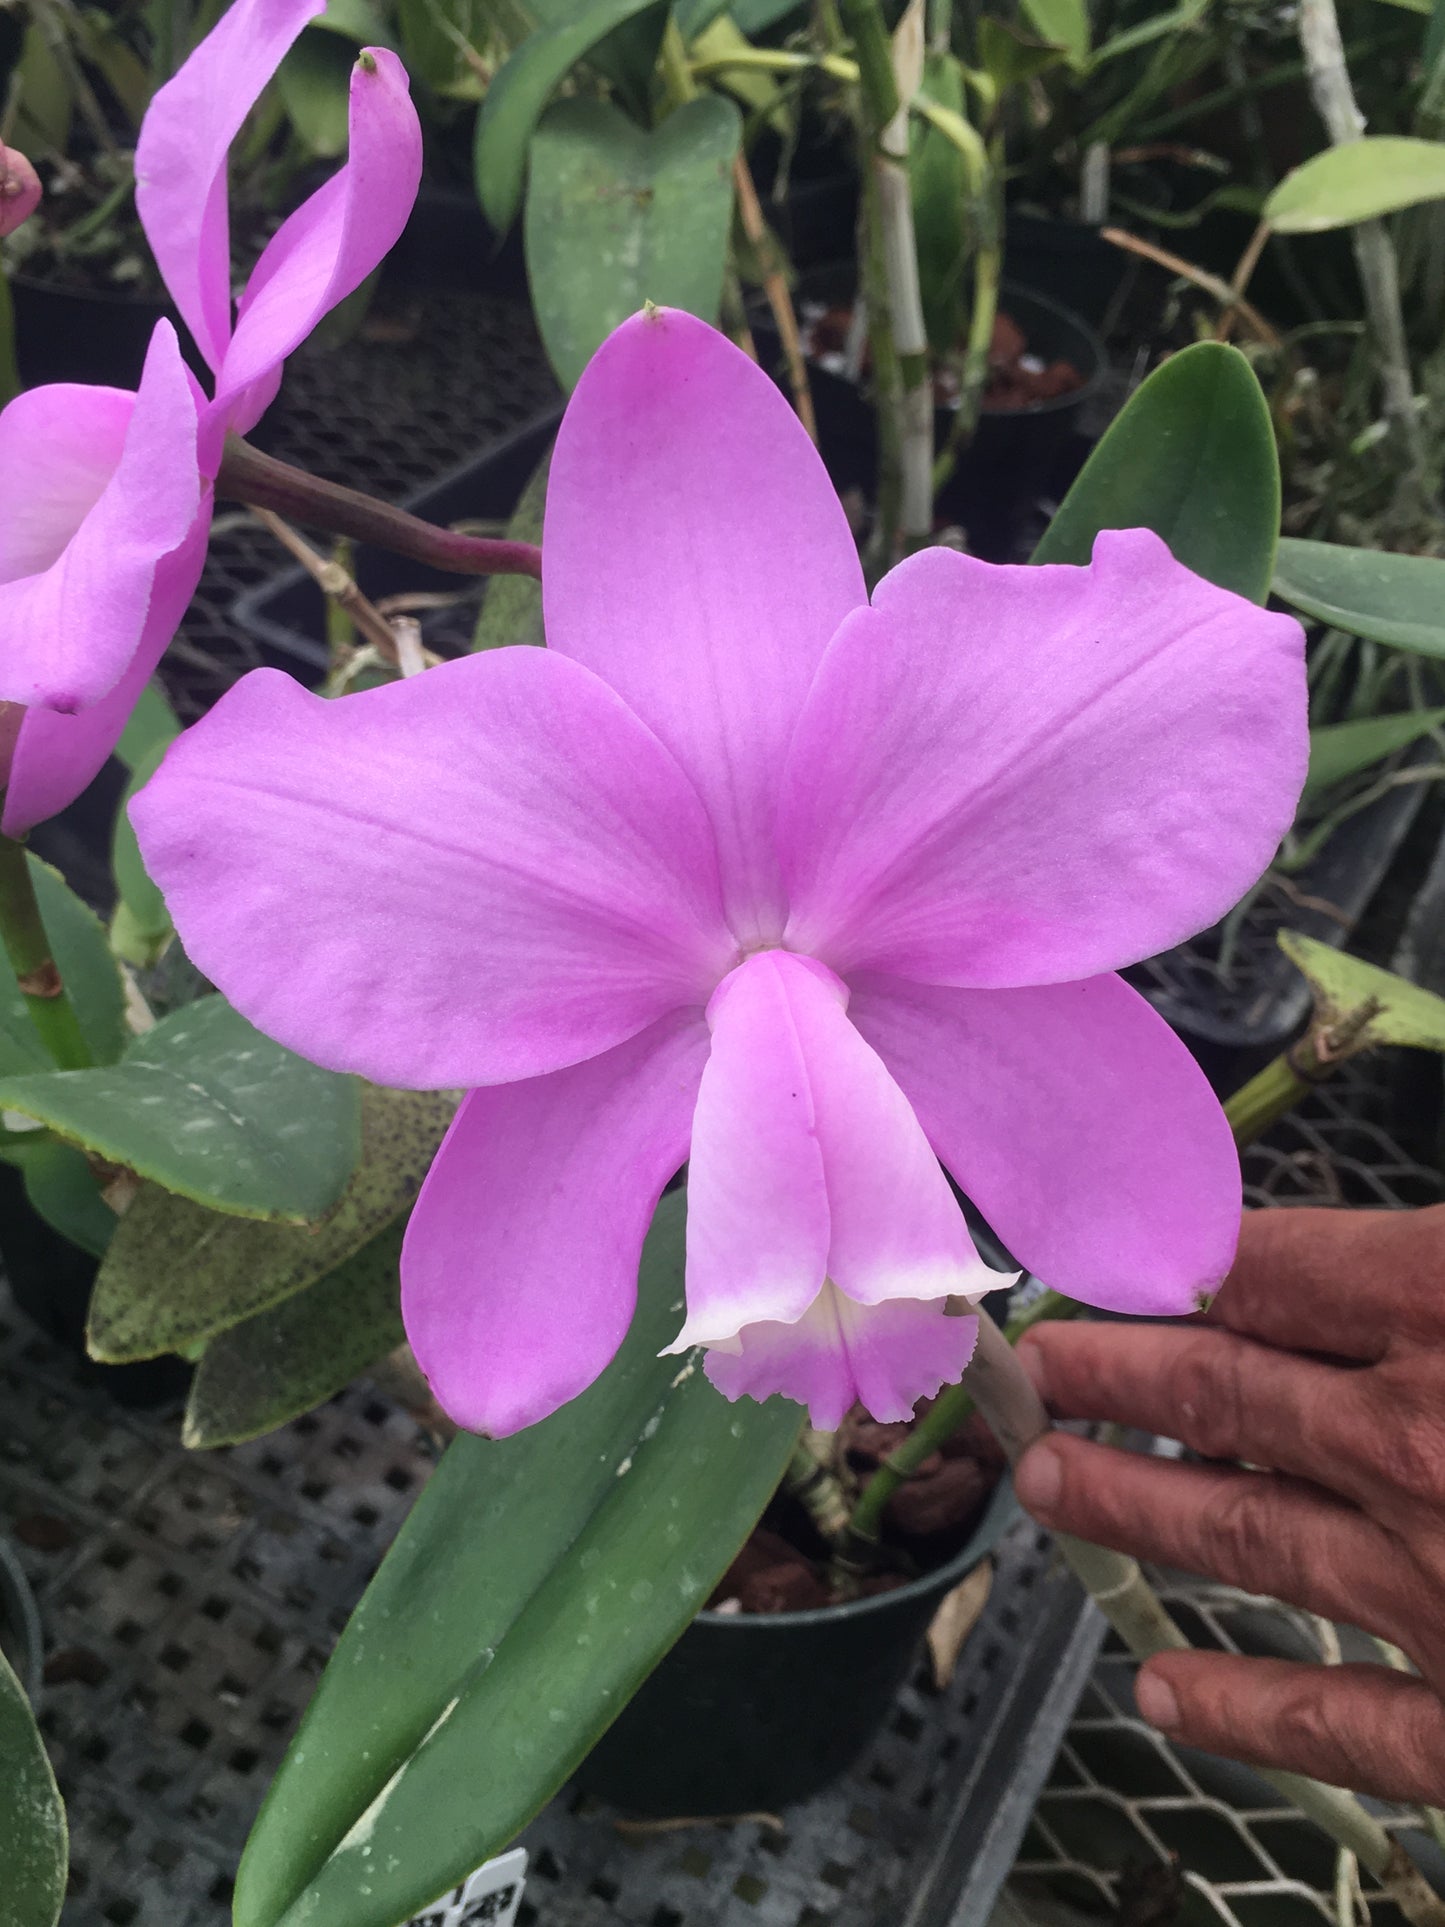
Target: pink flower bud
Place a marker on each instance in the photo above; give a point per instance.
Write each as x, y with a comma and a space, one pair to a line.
19, 190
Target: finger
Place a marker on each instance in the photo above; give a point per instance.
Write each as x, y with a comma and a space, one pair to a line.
1256, 1530
1363, 1727
1223, 1397
1341, 1282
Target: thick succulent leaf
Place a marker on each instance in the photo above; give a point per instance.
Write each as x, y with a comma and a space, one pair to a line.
1341, 983
617, 216
88, 970
536, 1583
34, 1849
515, 99
62, 1187
1341, 750
272, 1368
512, 607
177, 1273
1399, 599
1359, 181
205, 1105
1191, 456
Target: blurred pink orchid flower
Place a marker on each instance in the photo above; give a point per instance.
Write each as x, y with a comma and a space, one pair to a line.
740, 866
19, 189
101, 551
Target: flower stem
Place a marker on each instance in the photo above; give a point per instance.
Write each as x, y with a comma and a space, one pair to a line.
22, 930
1005, 1395
264, 483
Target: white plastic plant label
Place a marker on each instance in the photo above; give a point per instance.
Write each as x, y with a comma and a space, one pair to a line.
488, 1898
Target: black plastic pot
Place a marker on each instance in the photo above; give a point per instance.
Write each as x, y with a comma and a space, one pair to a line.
750, 1712
21, 1637
70, 334
286, 615
448, 244
1014, 450
51, 1281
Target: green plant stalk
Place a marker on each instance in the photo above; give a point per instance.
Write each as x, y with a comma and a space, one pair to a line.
1268, 1096
987, 273
1005, 1395
28, 947
887, 384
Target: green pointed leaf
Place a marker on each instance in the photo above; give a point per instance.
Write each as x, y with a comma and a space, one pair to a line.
176, 1273
1407, 1014
1360, 181
62, 1187
207, 1106
87, 969
34, 1850
1010, 57
617, 216
1341, 750
1398, 599
1063, 23
315, 83
272, 1368
512, 607
152, 721
141, 926
515, 99
535, 1585
1191, 456
938, 184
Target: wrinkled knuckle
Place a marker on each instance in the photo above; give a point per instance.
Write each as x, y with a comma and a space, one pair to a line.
1205, 1388
1306, 1730
1240, 1533
1407, 1448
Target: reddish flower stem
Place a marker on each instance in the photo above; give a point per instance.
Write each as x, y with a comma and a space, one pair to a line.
262, 482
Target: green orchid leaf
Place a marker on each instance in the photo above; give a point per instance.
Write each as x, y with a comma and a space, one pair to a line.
152, 721
177, 1273
205, 1105
272, 1368
141, 927
1342, 750
938, 183
696, 16
758, 93
517, 96
1398, 599
1342, 984
1191, 456
1063, 23
34, 1848
756, 16
1359, 181
89, 972
617, 216
512, 606
62, 1187
314, 81
1009, 57
537, 1582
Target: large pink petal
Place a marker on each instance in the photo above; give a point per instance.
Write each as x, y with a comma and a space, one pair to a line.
883, 1357
333, 241
180, 158
69, 632
807, 1164
485, 872
1018, 776
1079, 1125
57, 756
519, 1272
697, 558
59, 446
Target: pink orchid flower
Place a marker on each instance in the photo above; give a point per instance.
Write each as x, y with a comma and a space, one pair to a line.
19, 189
101, 550
740, 866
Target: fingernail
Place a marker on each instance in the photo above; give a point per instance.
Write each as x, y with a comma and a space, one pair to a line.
1039, 1478
1155, 1699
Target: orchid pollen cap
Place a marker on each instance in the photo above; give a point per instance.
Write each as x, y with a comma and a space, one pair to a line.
19, 190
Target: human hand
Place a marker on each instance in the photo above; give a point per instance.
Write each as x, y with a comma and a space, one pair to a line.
1321, 1362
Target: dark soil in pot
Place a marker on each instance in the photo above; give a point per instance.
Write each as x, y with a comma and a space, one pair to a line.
1049, 365
776, 1688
